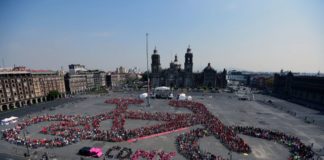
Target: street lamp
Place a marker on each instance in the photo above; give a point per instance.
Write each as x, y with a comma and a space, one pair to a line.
148, 74
26, 155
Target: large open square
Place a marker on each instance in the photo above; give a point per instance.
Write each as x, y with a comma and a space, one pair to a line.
225, 106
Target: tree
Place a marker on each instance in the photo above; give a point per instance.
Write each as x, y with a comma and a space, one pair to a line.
53, 95
144, 76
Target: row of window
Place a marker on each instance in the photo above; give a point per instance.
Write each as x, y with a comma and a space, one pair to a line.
14, 80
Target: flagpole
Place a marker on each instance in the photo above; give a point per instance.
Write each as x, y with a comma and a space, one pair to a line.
148, 73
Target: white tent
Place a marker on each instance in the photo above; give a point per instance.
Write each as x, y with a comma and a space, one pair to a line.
143, 95
182, 96
189, 98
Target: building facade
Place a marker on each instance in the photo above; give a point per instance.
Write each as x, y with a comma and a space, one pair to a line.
300, 88
46, 81
176, 77
99, 78
79, 79
115, 79
74, 68
20, 86
75, 83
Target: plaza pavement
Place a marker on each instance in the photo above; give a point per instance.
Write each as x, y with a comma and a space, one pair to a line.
225, 106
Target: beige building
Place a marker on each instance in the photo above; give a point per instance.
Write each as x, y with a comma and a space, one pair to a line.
20, 87
46, 81
99, 78
116, 80
75, 83
79, 79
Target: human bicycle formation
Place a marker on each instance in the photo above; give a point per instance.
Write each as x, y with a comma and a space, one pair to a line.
69, 129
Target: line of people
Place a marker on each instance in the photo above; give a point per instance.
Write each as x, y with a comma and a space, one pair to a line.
69, 129
226, 135
187, 145
297, 149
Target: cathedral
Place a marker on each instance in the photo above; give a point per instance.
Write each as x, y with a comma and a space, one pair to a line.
176, 77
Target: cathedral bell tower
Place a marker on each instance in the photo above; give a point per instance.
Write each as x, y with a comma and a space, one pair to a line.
155, 68
188, 65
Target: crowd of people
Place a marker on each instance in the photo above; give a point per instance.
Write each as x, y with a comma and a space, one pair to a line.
15, 135
226, 135
187, 145
124, 153
150, 155
69, 129
117, 152
297, 149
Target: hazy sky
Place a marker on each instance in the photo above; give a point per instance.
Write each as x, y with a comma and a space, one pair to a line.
256, 35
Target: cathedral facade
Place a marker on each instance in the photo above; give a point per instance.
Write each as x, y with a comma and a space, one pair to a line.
176, 77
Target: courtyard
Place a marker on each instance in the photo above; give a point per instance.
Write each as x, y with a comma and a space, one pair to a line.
225, 106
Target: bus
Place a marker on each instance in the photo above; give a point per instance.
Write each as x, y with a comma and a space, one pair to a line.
9, 120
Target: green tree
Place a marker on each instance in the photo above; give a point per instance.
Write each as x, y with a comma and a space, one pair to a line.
53, 95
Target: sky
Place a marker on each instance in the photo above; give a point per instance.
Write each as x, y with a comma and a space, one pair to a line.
253, 35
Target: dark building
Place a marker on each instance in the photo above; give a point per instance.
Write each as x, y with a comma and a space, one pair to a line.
188, 75
176, 77
299, 88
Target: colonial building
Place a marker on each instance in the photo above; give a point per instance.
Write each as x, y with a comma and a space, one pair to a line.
176, 77
75, 83
116, 79
79, 79
99, 78
45, 81
20, 86
299, 88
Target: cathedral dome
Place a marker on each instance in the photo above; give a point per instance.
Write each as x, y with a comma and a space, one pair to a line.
209, 68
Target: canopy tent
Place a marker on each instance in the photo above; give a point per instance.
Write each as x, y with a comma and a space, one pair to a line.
182, 96
189, 98
143, 95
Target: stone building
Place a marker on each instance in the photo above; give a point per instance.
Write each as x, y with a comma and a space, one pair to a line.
75, 83
79, 79
115, 79
89, 79
99, 78
176, 77
20, 86
300, 88
45, 81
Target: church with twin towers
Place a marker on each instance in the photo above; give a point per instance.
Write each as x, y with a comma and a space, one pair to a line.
176, 77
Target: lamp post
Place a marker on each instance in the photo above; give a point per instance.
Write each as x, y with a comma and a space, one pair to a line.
148, 74
24, 131
230, 154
